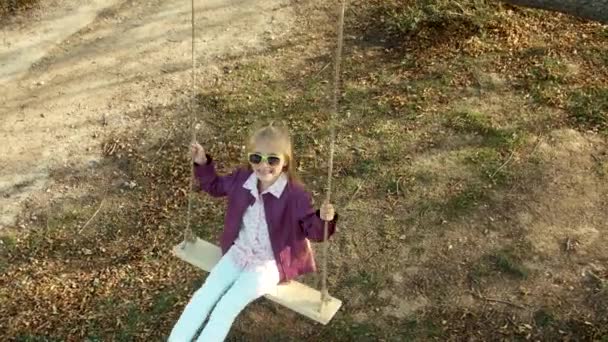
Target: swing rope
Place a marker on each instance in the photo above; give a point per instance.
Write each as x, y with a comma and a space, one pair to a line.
332, 140
188, 234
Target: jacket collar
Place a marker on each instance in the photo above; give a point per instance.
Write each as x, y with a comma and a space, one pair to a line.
276, 189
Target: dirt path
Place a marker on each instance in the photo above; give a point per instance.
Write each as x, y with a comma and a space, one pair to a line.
26, 44
82, 64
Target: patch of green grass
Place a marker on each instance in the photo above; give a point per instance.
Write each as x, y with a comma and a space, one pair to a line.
362, 168
393, 187
370, 279
367, 279
599, 299
543, 318
489, 162
468, 122
550, 70
364, 103
346, 329
546, 93
546, 79
93, 338
262, 96
396, 182
35, 338
71, 214
365, 167
439, 79
477, 123
507, 263
133, 317
535, 51
396, 18
4, 264
480, 270
423, 177
418, 329
398, 330
364, 331
108, 303
163, 302
431, 329
94, 331
464, 201
588, 108
67, 218
596, 55
8, 242
417, 251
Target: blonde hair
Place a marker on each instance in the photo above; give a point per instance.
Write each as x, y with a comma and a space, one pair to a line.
277, 132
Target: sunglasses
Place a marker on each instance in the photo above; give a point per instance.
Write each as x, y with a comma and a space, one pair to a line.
257, 158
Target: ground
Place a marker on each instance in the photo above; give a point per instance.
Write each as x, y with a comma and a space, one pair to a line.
470, 170
71, 66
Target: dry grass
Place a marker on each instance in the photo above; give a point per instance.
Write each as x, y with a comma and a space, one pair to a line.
463, 165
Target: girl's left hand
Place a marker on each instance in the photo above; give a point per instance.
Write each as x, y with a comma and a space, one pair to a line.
327, 212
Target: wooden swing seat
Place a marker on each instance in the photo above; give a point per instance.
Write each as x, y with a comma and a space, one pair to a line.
293, 295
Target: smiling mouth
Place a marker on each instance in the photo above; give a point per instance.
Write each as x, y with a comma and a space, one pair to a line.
265, 172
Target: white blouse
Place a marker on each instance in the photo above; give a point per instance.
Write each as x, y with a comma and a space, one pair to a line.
252, 248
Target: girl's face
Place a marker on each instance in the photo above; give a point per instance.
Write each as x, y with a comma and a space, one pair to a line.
267, 161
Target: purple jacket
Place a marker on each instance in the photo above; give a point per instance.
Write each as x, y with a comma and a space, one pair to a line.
291, 218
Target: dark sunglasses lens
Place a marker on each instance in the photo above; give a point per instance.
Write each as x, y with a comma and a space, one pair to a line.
274, 161
255, 158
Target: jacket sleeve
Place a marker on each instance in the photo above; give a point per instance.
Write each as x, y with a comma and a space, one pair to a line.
211, 182
310, 220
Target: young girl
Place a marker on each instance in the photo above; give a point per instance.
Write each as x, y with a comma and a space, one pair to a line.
268, 223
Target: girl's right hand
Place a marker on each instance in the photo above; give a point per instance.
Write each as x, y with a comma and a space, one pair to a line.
198, 154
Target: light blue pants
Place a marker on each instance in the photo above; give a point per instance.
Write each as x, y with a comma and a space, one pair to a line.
227, 291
